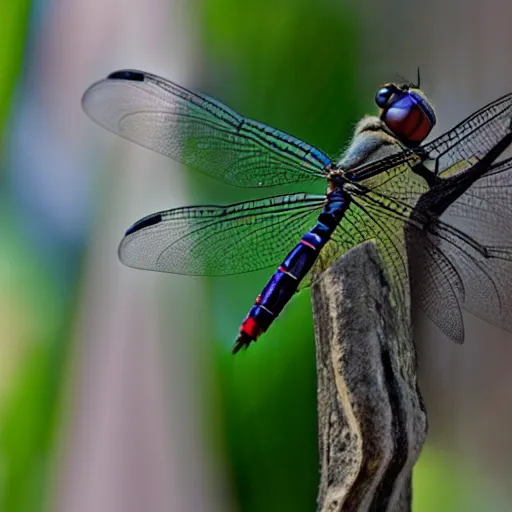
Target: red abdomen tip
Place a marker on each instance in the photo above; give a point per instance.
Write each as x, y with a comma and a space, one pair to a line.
251, 328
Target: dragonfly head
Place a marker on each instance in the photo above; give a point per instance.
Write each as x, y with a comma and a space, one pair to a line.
406, 111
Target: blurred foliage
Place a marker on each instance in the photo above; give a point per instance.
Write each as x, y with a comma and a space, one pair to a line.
13, 31
33, 318
269, 398
435, 487
34, 331
288, 64
444, 484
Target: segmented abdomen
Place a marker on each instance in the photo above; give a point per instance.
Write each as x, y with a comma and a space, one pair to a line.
285, 281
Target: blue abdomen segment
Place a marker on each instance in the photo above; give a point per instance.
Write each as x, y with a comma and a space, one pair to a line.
286, 279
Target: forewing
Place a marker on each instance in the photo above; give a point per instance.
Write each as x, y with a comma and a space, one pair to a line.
471, 139
215, 240
200, 132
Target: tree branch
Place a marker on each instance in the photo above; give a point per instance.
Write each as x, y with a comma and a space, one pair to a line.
372, 423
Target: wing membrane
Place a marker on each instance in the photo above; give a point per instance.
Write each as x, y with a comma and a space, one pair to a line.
482, 252
362, 223
461, 260
214, 240
437, 284
471, 139
200, 132
484, 208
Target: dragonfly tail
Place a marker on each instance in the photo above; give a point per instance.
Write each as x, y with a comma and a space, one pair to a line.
243, 341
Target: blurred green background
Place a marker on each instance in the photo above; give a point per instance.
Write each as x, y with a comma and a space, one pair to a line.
118, 390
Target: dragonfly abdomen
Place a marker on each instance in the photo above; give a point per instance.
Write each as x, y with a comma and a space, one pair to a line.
286, 279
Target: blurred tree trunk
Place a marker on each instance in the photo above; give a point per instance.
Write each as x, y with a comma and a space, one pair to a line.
133, 423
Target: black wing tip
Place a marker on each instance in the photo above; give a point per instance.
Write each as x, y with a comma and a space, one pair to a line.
150, 220
123, 74
127, 74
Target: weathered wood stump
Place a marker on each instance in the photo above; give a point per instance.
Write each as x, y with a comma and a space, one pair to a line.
372, 423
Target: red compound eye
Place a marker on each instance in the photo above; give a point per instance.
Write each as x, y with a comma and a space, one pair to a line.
409, 118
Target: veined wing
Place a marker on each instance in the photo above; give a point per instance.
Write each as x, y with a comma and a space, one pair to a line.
486, 207
471, 139
436, 286
393, 177
468, 275
389, 189
215, 240
365, 221
200, 132
482, 251
462, 260
382, 201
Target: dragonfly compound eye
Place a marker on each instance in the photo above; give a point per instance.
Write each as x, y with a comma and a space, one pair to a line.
410, 118
383, 95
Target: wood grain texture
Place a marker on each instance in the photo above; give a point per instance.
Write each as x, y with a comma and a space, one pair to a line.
372, 423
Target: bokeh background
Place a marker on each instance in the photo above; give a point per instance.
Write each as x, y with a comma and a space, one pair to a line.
118, 391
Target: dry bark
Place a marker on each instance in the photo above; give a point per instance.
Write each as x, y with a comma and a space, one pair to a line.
372, 423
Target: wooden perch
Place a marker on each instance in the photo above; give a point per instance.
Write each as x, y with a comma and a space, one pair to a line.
372, 423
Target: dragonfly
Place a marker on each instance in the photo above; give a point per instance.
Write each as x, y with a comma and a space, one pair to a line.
391, 187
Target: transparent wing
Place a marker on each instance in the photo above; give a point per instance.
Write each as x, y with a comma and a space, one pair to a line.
480, 278
436, 285
405, 249
471, 139
485, 208
476, 235
462, 260
379, 209
214, 240
200, 132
